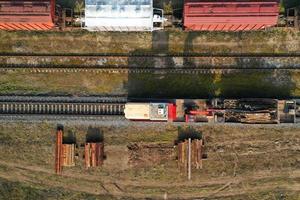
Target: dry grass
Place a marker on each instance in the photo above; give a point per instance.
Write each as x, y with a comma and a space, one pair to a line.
276, 40
66, 83
72, 42
234, 85
243, 162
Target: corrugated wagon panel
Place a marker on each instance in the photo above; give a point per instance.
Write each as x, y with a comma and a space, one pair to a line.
230, 15
27, 14
121, 15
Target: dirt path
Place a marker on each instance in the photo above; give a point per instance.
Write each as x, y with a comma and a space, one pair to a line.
219, 187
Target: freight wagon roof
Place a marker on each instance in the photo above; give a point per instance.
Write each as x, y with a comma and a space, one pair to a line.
229, 15
27, 14
121, 15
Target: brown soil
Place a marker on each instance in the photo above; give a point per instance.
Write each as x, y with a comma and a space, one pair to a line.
149, 154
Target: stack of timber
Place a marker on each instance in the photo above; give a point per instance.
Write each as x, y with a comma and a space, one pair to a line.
94, 154
231, 103
263, 117
68, 155
256, 118
196, 154
58, 152
231, 116
64, 153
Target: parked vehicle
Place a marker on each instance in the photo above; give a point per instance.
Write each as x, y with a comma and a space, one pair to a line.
249, 111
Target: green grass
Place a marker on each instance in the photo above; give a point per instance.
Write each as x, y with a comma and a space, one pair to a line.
275, 40
34, 160
62, 84
23, 191
234, 85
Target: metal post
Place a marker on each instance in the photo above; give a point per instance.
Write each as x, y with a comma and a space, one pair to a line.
189, 160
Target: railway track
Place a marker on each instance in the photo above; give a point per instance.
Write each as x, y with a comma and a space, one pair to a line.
151, 54
135, 70
201, 63
62, 106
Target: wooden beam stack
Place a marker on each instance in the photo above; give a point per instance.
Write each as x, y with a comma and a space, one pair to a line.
94, 154
256, 118
64, 153
68, 155
196, 154
58, 152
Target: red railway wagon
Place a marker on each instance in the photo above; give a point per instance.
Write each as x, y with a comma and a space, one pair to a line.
27, 14
230, 15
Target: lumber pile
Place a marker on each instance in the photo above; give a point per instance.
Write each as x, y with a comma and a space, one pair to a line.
231, 104
263, 117
64, 153
256, 118
68, 155
58, 152
196, 154
93, 154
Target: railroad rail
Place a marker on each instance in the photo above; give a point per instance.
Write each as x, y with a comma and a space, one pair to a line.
62, 106
139, 70
187, 63
151, 54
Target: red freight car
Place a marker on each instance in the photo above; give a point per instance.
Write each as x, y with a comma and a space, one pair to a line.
27, 14
230, 15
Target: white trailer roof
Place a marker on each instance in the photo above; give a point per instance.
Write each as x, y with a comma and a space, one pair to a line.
119, 15
146, 111
137, 111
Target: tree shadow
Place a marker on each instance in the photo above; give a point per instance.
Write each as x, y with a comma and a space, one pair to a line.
163, 84
189, 48
239, 83
256, 84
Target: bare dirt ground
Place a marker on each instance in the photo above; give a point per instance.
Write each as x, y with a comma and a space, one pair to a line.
246, 162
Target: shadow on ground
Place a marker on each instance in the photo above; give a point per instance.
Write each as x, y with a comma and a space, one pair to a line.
236, 84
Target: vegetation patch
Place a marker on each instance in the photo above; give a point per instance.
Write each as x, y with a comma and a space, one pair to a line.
62, 83
254, 160
279, 40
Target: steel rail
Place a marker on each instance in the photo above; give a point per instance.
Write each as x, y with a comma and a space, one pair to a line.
63, 106
28, 117
204, 70
126, 67
151, 54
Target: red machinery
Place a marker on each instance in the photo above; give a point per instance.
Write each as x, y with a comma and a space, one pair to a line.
230, 15
171, 112
191, 115
27, 14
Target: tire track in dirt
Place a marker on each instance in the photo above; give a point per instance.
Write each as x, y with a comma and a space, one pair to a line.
117, 189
